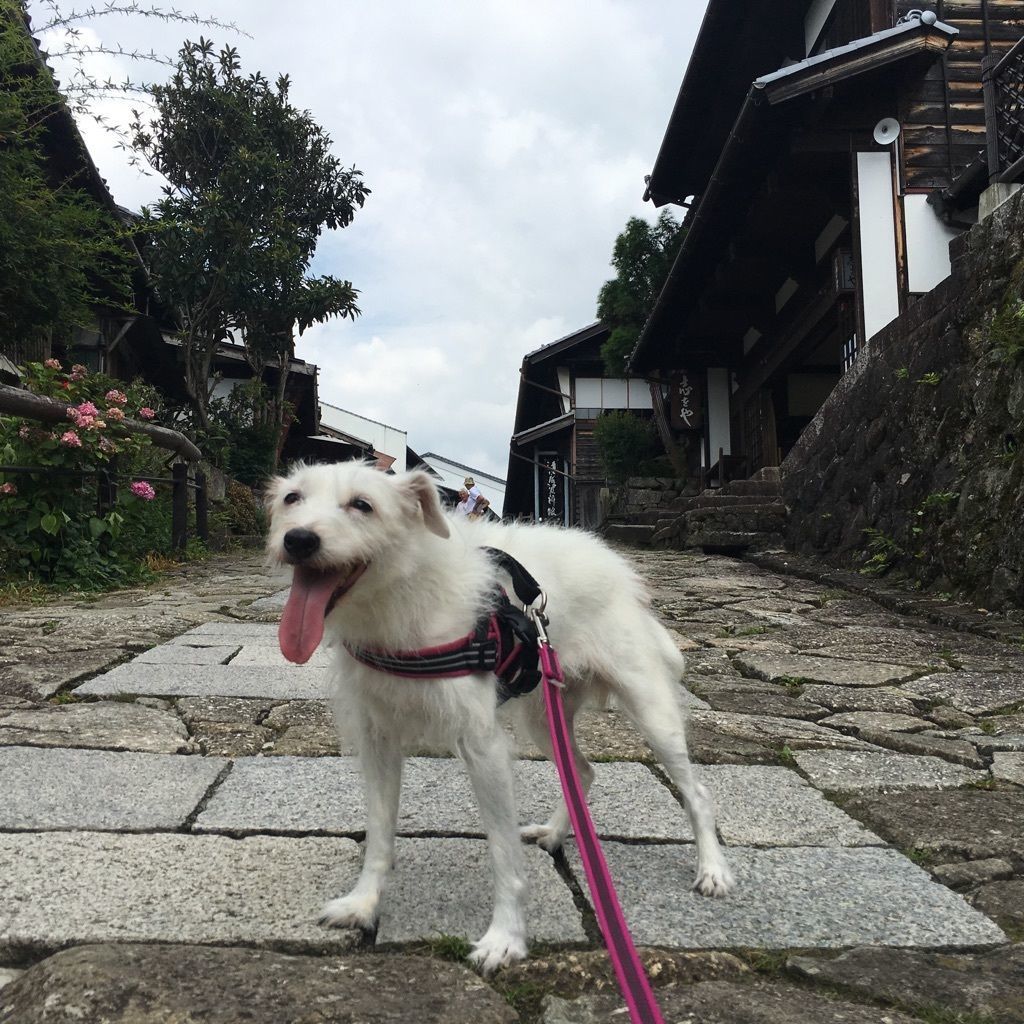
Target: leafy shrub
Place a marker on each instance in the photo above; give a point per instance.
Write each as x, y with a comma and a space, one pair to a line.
244, 514
51, 528
626, 442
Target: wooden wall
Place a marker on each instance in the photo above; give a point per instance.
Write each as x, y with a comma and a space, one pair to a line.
935, 151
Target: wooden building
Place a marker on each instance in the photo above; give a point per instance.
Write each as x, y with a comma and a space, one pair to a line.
554, 472
826, 153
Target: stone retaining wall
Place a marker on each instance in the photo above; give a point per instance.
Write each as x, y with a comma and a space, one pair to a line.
647, 494
922, 441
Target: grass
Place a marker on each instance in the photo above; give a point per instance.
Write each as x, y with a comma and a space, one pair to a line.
980, 784
922, 858
787, 757
449, 947
65, 697
525, 997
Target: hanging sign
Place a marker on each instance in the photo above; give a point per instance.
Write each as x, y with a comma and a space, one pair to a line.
686, 401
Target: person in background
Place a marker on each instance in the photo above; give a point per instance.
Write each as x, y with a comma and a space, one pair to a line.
477, 502
465, 506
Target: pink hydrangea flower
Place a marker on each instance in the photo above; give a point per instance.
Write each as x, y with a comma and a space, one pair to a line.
79, 372
146, 413
8, 489
143, 490
114, 414
116, 397
88, 409
51, 364
71, 439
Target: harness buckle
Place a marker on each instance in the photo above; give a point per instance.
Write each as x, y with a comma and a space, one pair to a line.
550, 665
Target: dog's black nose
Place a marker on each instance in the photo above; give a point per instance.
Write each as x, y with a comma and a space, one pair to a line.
300, 543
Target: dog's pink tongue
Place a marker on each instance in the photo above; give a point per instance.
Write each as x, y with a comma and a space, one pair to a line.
302, 623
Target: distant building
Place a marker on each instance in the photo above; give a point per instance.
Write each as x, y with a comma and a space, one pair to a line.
554, 472
346, 435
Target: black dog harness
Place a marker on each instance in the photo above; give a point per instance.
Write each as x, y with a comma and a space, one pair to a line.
503, 641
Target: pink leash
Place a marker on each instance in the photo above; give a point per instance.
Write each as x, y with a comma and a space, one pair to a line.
633, 984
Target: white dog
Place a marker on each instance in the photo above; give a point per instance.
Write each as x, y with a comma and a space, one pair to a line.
379, 565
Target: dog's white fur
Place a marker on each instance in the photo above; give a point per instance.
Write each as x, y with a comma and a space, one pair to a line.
426, 583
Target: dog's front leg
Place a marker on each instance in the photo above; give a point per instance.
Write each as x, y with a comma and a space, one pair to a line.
381, 763
490, 772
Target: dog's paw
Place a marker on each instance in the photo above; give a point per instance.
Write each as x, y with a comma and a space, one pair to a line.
546, 837
498, 948
350, 912
716, 880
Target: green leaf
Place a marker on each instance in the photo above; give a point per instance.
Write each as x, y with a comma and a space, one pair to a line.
97, 527
49, 523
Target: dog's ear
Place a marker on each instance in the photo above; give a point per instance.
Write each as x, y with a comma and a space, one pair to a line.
422, 489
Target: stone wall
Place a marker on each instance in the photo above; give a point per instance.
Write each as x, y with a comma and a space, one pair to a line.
647, 494
922, 441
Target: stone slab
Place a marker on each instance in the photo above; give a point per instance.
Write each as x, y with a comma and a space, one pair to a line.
757, 806
951, 824
249, 630
185, 654
858, 720
269, 655
1008, 767
955, 750
100, 789
977, 693
210, 681
775, 733
1003, 901
65, 888
850, 771
790, 898
724, 1002
444, 887
983, 985
110, 725
833, 671
126, 984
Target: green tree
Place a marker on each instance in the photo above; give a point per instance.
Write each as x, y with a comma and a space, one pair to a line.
252, 183
642, 257
62, 253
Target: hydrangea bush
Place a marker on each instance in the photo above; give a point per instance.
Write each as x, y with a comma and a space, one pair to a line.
52, 528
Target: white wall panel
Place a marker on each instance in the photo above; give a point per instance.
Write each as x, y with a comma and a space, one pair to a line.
928, 241
879, 284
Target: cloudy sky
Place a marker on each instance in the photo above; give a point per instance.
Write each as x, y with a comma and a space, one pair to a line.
506, 146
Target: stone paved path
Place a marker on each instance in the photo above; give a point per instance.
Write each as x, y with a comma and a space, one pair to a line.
167, 777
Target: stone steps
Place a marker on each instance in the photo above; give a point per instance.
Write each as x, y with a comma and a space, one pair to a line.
638, 534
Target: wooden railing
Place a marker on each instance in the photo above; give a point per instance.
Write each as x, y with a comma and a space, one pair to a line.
1003, 86
17, 402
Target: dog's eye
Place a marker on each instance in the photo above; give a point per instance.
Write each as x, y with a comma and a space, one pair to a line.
291, 497
360, 504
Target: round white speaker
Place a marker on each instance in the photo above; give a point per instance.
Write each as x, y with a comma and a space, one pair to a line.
886, 131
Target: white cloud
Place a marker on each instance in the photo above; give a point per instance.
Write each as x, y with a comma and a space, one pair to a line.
505, 145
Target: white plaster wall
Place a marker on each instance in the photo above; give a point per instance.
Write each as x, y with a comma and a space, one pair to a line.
718, 412
879, 284
928, 241
612, 393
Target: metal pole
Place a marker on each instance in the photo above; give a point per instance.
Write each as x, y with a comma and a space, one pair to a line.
179, 507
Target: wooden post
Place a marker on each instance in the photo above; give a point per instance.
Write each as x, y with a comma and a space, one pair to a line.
179, 507
988, 89
106, 497
202, 507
